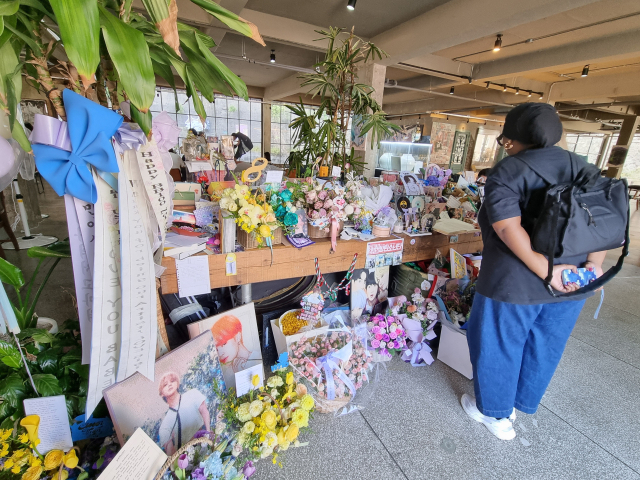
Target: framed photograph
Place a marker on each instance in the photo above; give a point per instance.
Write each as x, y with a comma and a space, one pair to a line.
178, 403
369, 286
411, 184
442, 140
235, 334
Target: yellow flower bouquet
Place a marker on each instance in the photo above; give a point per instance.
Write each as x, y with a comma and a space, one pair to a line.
251, 211
271, 418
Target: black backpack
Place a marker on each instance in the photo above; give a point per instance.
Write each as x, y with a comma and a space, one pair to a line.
589, 214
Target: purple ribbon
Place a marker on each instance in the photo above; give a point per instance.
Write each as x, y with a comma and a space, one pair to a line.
418, 352
130, 136
165, 131
50, 131
327, 364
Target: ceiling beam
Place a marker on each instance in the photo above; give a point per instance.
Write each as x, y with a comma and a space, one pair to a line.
626, 44
460, 21
597, 86
285, 88
437, 66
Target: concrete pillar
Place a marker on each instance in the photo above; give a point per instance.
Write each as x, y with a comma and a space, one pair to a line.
266, 127
373, 75
620, 151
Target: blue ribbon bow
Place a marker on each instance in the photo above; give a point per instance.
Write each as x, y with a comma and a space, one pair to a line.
328, 364
91, 127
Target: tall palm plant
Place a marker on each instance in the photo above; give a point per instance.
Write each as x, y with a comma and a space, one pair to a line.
103, 48
323, 135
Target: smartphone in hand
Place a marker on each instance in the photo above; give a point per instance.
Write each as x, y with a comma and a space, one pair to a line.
582, 278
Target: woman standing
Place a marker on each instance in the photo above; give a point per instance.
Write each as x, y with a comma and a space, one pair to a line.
517, 331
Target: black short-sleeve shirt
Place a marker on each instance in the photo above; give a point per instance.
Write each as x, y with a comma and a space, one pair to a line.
503, 276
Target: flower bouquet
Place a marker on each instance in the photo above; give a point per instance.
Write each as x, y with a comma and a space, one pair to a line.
253, 215
333, 366
285, 204
269, 418
325, 209
387, 336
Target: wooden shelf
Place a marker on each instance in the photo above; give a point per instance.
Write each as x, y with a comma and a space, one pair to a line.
254, 266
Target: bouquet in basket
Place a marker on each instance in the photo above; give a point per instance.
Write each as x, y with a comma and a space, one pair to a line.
387, 335
334, 365
251, 212
269, 418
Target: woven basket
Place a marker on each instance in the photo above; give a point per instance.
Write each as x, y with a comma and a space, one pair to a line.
248, 241
329, 406
181, 450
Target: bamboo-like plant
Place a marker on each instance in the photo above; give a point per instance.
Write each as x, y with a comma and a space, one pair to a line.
322, 135
105, 50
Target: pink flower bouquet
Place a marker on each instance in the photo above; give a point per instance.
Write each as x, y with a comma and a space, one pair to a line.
387, 335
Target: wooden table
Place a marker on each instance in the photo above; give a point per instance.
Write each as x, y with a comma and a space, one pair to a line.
254, 266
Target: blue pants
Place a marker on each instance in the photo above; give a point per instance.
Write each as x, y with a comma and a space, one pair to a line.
515, 350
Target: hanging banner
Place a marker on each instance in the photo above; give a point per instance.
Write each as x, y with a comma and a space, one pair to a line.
82, 246
107, 301
155, 182
139, 327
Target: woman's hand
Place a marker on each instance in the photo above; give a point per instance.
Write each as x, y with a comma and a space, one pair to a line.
594, 267
556, 280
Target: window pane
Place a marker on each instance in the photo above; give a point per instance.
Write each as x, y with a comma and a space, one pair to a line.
583, 144
284, 152
256, 111
233, 126
244, 128
275, 113
209, 107
256, 131
275, 153
596, 144
257, 150
232, 108
156, 106
168, 101
275, 133
210, 127
285, 134
196, 123
245, 112
221, 125
285, 116
221, 107
184, 124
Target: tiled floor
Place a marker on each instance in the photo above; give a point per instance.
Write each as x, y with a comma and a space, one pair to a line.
412, 427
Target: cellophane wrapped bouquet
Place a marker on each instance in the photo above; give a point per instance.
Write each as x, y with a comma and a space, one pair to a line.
251, 211
333, 366
387, 337
285, 202
269, 418
355, 210
326, 205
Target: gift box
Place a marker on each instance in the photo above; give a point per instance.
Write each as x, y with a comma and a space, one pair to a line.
283, 341
454, 350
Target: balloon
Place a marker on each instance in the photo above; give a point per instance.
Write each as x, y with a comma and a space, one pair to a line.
8, 165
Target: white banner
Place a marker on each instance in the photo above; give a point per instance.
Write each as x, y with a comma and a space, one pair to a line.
80, 221
155, 182
139, 325
107, 301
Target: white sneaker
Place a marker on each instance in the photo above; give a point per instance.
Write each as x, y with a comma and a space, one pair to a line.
503, 428
512, 417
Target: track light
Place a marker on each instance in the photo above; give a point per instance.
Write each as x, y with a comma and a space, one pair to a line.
351, 5
451, 91
585, 71
504, 89
273, 56
540, 98
488, 84
517, 91
529, 94
498, 45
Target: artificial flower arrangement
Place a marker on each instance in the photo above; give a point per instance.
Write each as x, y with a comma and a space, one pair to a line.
421, 309
20, 459
251, 212
323, 206
269, 418
387, 336
312, 357
355, 207
285, 203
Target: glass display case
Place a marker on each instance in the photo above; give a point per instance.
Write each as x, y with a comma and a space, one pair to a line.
403, 156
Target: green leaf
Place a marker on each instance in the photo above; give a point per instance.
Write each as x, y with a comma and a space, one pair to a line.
72, 405
81, 370
70, 357
42, 336
47, 384
9, 7
56, 250
84, 475
12, 388
130, 55
142, 119
231, 20
79, 24
223, 71
7, 349
10, 274
14, 360
48, 361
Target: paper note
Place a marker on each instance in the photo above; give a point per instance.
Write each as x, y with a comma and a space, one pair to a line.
92, 428
193, 276
274, 176
244, 377
140, 458
230, 263
335, 171
54, 431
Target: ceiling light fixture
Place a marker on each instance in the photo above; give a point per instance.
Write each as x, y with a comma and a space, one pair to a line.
585, 71
540, 97
504, 89
530, 92
498, 45
351, 5
273, 56
517, 91
488, 84
451, 91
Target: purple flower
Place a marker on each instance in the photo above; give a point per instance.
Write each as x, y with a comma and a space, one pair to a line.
248, 469
396, 344
375, 343
201, 433
183, 461
385, 337
375, 329
198, 474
